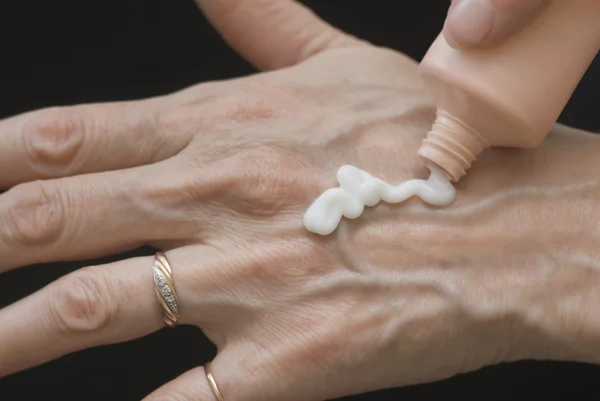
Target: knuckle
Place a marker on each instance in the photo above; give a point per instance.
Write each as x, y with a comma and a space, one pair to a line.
251, 102
35, 214
270, 179
84, 302
53, 137
293, 270
256, 180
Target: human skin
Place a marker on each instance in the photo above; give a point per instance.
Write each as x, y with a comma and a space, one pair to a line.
219, 175
483, 23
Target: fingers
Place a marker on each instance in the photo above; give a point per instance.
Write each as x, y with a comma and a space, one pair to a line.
272, 34
106, 304
80, 217
93, 306
475, 23
65, 141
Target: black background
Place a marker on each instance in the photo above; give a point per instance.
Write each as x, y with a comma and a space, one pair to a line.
68, 52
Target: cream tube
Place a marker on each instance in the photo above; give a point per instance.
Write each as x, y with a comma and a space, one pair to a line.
512, 94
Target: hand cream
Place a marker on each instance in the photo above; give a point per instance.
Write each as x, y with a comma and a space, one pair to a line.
359, 189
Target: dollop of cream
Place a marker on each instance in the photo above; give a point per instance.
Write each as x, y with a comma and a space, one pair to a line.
359, 189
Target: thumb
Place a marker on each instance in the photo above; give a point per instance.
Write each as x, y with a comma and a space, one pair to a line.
273, 34
479, 23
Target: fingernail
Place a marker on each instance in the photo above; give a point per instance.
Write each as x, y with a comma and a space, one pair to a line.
469, 22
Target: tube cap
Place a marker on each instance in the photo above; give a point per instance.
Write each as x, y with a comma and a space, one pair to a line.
452, 145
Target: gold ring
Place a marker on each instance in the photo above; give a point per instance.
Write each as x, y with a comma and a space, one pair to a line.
165, 289
212, 382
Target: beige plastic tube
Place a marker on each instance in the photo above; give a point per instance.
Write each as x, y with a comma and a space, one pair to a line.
512, 94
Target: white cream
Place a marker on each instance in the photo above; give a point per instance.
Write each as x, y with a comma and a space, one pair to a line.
359, 189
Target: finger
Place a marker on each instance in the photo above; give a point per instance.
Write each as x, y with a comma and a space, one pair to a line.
244, 372
65, 141
93, 306
191, 386
85, 216
100, 305
272, 34
476, 23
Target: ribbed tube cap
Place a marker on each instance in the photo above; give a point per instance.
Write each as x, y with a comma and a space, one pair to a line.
452, 145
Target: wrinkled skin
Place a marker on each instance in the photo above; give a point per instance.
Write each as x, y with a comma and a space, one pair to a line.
219, 176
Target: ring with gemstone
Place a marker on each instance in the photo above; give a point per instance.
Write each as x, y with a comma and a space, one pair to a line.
165, 289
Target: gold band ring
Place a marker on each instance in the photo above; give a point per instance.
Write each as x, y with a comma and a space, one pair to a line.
165, 289
212, 382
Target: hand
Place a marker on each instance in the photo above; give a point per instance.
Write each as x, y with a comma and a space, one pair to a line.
219, 176
481, 23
